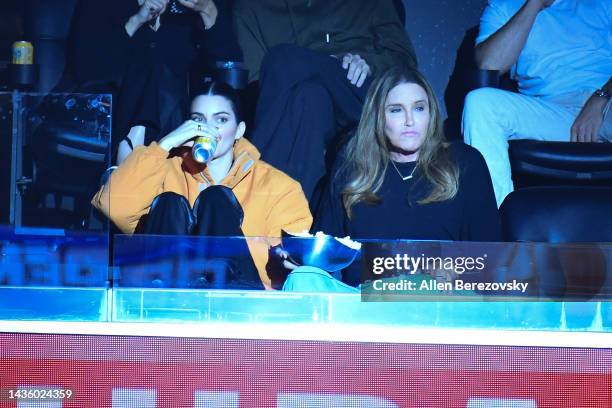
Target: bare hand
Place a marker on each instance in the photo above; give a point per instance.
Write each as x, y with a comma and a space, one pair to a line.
588, 122
358, 69
184, 134
207, 9
151, 9
542, 4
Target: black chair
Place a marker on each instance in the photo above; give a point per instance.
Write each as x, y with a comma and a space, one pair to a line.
569, 217
537, 162
558, 214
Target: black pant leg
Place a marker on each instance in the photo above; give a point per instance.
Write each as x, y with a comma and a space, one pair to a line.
306, 128
170, 214
219, 214
304, 97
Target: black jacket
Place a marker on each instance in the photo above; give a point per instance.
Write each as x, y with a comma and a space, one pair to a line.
99, 49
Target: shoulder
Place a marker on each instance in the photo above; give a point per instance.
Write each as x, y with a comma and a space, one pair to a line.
270, 177
467, 158
461, 151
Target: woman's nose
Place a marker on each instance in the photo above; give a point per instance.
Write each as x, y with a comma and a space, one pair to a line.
409, 120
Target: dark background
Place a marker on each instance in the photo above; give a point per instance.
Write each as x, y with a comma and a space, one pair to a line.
437, 29
11, 26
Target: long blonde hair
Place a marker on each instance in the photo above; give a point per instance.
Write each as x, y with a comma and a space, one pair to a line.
368, 151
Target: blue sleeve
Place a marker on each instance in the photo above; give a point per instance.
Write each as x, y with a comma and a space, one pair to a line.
493, 18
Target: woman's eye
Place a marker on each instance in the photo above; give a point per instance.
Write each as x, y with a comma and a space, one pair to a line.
395, 110
222, 120
420, 108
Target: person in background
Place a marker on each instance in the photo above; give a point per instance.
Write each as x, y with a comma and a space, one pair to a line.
314, 61
560, 52
142, 51
399, 179
161, 189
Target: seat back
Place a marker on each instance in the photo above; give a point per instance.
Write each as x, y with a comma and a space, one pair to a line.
537, 162
563, 214
572, 215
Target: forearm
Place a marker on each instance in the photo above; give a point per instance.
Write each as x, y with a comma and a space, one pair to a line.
501, 50
599, 103
608, 85
133, 24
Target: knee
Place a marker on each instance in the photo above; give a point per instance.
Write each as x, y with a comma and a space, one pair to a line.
217, 196
169, 199
481, 101
482, 108
314, 92
280, 57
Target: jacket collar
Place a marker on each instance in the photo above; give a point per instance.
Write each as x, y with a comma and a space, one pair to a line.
245, 157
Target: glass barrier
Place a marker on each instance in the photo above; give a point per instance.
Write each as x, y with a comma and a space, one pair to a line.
55, 148
400, 283
514, 286
62, 276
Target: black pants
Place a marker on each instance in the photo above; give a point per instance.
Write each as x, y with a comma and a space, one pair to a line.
150, 95
305, 98
217, 213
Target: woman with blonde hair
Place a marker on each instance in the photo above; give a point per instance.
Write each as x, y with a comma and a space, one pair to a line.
398, 177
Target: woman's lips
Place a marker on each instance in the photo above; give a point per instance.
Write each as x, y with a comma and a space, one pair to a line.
409, 133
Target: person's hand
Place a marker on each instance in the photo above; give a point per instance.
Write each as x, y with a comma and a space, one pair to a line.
358, 69
284, 256
186, 133
206, 8
588, 122
542, 4
150, 10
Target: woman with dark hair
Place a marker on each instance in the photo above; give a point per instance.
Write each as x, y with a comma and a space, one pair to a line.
398, 178
143, 51
162, 189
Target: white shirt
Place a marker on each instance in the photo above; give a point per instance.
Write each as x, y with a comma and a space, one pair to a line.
569, 48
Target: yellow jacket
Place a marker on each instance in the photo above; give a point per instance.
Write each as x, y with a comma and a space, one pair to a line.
270, 199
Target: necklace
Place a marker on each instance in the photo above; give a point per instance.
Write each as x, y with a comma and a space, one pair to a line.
408, 177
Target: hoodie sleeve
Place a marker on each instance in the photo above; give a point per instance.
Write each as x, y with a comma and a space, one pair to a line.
131, 188
290, 212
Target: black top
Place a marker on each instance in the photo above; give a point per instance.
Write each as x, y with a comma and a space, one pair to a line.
470, 216
148, 72
99, 48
